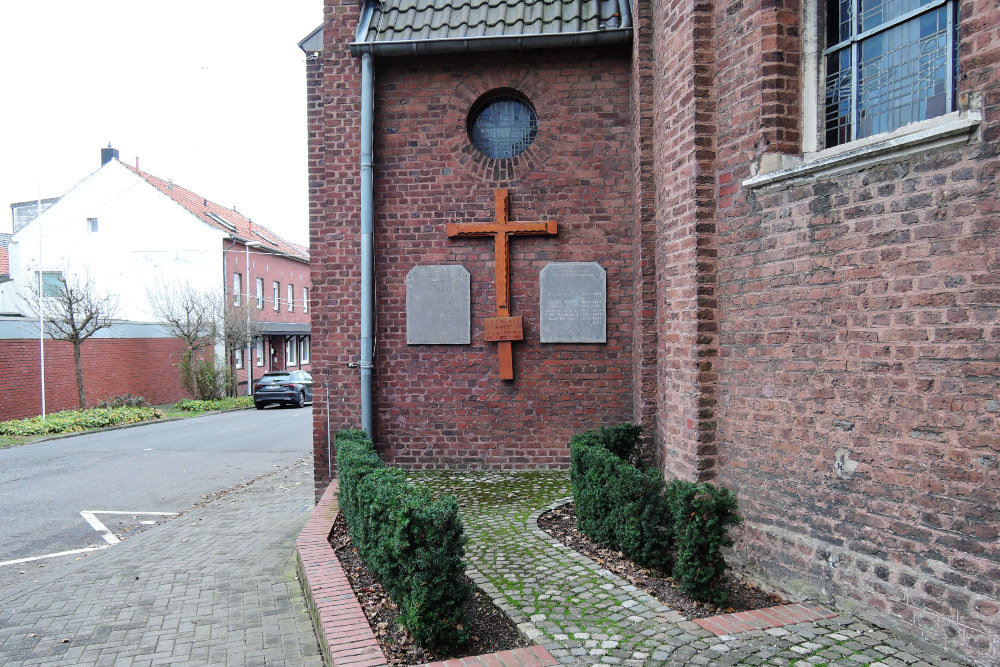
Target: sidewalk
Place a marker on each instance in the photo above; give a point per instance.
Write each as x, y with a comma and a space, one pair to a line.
214, 586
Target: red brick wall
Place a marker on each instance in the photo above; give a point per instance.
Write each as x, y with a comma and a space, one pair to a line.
859, 313
271, 268
144, 367
333, 117
684, 152
445, 405
644, 234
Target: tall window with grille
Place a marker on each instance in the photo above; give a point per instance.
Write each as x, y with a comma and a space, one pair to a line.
888, 63
237, 288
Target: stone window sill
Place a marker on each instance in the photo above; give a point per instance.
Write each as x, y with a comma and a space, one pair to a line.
953, 129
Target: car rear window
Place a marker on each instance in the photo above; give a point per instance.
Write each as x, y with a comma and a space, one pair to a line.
274, 377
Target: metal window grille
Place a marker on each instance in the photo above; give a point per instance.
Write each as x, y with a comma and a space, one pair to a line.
504, 128
890, 63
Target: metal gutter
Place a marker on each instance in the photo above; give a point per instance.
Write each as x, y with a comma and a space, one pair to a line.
423, 47
367, 239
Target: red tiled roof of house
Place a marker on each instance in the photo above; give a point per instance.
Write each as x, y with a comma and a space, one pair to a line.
220, 217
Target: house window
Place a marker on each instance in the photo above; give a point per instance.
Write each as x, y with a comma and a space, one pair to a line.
260, 294
290, 345
91, 224
238, 356
305, 299
277, 294
52, 283
304, 350
237, 288
888, 63
291, 298
259, 351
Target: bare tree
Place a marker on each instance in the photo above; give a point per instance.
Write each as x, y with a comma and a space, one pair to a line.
202, 319
189, 314
72, 310
239, 329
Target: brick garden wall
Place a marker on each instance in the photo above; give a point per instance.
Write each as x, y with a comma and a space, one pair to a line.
144, 367
858, 317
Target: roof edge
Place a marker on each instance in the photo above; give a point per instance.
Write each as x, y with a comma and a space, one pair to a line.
420, 47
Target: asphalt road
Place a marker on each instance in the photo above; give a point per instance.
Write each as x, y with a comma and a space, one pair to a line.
164, 467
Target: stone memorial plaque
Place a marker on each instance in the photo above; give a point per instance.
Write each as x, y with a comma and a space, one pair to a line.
438, 305
573, 302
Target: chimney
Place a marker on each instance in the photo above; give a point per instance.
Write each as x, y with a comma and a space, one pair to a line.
108, 154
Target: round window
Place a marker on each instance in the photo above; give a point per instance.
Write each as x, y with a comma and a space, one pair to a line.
503, 127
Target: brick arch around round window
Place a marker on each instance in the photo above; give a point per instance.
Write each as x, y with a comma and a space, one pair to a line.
499, 171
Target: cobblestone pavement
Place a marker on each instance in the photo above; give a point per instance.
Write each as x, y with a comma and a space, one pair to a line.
214, 586
584, 614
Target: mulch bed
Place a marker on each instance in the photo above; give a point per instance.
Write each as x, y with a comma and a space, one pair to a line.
491, 629
561, 524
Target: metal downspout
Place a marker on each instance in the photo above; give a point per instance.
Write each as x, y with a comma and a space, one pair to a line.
367, 240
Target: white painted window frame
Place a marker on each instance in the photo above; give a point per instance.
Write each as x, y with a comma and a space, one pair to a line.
953, 129
260, 294
237, 287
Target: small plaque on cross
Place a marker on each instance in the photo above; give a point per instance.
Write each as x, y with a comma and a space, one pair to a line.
502, 328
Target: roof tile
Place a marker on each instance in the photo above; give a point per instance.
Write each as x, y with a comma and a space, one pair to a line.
233, 222
405, 20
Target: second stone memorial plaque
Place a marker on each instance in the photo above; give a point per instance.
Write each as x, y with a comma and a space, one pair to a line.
573, 303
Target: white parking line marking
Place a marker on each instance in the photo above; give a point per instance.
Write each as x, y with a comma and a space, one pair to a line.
96, 547
108, 536
96, 524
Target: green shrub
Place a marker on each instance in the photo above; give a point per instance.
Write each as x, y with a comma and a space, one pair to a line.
208, 379
679, 527
415, 545
78, 420
702, 516
619, 505
231, 403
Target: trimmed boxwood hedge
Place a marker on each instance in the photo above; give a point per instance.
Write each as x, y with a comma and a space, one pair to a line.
680, 527
415, 545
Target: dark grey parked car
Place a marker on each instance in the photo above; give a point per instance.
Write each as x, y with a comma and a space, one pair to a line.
283, 387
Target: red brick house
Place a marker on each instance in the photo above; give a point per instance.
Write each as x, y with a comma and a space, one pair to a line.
799, 232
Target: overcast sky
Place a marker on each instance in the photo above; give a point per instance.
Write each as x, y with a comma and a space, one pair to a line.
209, 93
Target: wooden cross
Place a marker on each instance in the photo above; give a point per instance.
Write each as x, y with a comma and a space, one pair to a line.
503, 328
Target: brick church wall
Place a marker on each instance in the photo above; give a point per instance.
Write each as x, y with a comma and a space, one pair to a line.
144, 367
859, 317
445, 405
333, 118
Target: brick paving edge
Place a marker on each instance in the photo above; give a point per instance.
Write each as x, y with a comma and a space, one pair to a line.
341, 626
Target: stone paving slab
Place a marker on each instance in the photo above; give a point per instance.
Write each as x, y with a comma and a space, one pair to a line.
584, 614
214, 586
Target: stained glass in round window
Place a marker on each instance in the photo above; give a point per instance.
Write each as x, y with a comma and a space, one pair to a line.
504, 127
